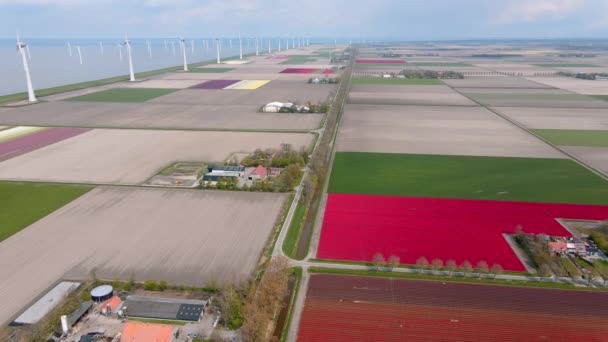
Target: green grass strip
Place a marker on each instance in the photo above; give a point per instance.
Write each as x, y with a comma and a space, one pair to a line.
290, 245
211, 70
22, 204
131, 95
403, 81
455, 279
568, 137
469, 177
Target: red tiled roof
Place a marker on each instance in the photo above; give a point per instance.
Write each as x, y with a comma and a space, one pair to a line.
261, 171
114, 303
142, 332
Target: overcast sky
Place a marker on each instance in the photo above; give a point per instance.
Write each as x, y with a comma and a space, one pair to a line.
404, 19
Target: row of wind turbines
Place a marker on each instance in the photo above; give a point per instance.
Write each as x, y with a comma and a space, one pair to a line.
24, 51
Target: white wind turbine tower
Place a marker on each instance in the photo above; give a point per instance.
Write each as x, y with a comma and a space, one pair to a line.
240, 47
279, 44
101, 47
120, 51
21, 46
257, 47
173, 47
217, 49
183, 47
269, 46
127, 44
287, 44
79, 53
192, 46
70, 49
149, 49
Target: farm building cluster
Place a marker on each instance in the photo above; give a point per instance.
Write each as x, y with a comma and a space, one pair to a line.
240, 175
585, 248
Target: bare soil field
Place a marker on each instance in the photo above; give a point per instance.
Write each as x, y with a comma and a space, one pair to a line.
185, 237
234, 75
125, 156
494, 82
558, 118
160, 116
282, 91
435, 130
406, 95
596, 157
521, 98
515, 91
576, 85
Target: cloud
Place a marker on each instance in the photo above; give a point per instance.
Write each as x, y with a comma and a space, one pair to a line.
536, 10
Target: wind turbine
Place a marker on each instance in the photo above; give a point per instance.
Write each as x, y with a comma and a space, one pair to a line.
79, 53
120, 51
257, 47
192, 46
183, 46
21, 46
149, 49
165, 44
217, 49
173, 47
69, 49
240, 47
101, 47
230, 42
127, 43
269, 46
279, 44
287, 44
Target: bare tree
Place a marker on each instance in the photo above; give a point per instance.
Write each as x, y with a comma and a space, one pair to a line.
467, 267
496, 269
437, 264
393, 261
544, 270
378, 260
451, 266
482, 266
422, 262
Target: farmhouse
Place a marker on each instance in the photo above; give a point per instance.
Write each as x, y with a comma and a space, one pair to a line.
219, 172
256, 173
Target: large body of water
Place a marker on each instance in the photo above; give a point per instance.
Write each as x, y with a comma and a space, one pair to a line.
51, 64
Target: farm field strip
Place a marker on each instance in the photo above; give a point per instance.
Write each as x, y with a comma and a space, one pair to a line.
37, 139
390, 81
211, 70
12, 133
467, 177
447, 229
557, 118
130, 157
346, 308
496, 82
587, 87
159, 116
435, 130
247, 85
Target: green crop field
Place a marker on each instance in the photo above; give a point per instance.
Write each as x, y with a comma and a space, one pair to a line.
568, 137
492, 178
406, 81
600, 97
22, 204
123, 95
299, 59
566, 65
210, 70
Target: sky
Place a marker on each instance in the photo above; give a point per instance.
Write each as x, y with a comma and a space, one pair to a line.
394, 19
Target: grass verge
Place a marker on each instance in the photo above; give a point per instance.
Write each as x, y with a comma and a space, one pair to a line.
422, 276
403, 81
467, 177
22, 203
290, 244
